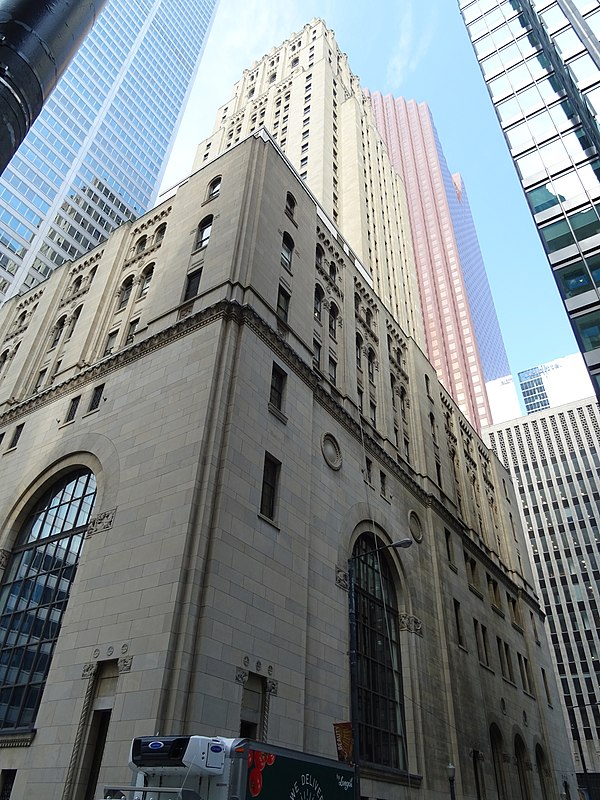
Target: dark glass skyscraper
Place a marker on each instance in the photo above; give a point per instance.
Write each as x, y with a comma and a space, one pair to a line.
541, 63
95, 156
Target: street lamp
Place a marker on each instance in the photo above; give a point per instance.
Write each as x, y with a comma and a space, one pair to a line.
451, 772
353, 656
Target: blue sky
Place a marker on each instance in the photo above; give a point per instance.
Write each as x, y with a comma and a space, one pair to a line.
421, 51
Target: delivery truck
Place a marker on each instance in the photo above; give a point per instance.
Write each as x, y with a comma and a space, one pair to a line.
218, 768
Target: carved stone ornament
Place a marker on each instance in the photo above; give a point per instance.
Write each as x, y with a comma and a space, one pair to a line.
4, 556
341, 578
410, 623
89, 669
124, 664
331, 450
241, 675
272, 687
101, 522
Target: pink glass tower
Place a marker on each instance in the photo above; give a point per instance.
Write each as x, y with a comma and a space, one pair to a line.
463, 338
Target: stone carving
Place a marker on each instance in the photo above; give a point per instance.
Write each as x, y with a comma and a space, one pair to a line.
101, 522
241, 675
272, 687
331, 450
89, 669
410, 623
124, 664
341, 578
4, 556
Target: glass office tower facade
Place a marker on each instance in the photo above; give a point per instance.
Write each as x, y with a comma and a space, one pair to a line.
541, 62
95, 156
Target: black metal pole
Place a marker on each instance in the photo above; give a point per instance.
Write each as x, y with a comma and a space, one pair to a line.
452, 792
353, 656
37, 42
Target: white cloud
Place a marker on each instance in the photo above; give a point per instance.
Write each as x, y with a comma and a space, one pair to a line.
412, 45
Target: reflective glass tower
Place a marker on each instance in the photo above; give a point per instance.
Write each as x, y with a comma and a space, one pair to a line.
95, 156
541, 63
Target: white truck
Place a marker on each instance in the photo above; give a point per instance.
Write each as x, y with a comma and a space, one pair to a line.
217, 768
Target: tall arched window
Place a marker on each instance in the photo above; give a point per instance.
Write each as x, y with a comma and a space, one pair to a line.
3, 360
369, 318
125, 293
160, 233
333, 320
57, 332
521, 758
73, 323
140, 245
359, 349
380, 695
319, 253
497, 757
214, 188
203, 234
35, 590
333, 270
287, 250
146, 280
290, 205
319, 294
371, 365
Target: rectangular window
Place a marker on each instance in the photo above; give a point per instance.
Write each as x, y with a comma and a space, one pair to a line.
501, 656
131, 331
509, 666
40, 380
546, 687
278, 378
383, 483
332, 370
373, 412
270, 485
283, 304
368, 470
96, 397
449, 548
316, 354
458, 622
192, 285
16, 436
73, 406
110, 343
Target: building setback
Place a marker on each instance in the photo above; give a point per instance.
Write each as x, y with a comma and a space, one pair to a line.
304, 93
193, 446
464, 342
554, 458
541, 63
95, 156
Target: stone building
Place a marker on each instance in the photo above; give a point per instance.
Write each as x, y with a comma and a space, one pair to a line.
201, 421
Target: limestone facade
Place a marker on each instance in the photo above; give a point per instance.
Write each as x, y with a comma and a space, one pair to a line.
230, 329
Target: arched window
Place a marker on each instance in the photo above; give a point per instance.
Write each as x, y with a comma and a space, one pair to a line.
203, 233
21, 319
333, 320
521, 758
379, 673
57, 332
369, 318
332, 270
76, 285
140, 245
125, 293
403, 402
319, 253
160, 233
543, 773
146, 280
290, 205
498, 760
359, 349
287, 250
393, 390
371, 365
318, 302
3, 360
74, 318
214, 188
356, 302
35, 591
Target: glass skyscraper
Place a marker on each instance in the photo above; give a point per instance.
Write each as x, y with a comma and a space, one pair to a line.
541, 63
95, 156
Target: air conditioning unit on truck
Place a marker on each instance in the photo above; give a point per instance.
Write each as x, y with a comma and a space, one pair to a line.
215, 768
